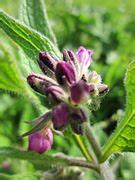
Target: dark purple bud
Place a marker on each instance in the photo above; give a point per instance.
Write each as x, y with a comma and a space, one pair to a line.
80, 91
45, 59
77, 128
41, 141
55, 93
64, 71
102, 88
60, 115
39, 83
79, 115
69, 56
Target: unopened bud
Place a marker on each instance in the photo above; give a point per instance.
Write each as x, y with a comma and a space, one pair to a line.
55, 93
60, 115
103, 89
69, 56
45, 59
65, 70
39, 83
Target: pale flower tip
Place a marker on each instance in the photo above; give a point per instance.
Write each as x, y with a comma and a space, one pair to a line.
84, 56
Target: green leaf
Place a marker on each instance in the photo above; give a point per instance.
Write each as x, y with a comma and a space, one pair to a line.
11, 79
40, 161
34, 15
123, 139
28, 39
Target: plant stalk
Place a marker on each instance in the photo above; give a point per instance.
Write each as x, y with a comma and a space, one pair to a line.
95, 146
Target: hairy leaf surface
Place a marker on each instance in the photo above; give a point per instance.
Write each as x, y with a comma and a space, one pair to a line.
123, 139
34, 15
29, 40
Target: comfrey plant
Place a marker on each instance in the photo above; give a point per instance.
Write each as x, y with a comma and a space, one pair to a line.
70, 91
70, 88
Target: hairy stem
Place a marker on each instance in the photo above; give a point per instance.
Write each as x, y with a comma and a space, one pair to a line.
95, 146
104, 169
77, 162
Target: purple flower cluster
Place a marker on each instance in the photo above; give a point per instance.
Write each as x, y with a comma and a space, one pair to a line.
69, 86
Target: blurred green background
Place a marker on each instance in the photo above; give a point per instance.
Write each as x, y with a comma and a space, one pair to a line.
106, 27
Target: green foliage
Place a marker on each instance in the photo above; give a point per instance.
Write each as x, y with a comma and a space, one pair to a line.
29, 40
123, 139
34, 15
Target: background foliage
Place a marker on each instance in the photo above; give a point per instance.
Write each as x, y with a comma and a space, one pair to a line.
104, 26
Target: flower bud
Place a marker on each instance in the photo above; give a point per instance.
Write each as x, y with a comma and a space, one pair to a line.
76, 127
94, 77
103, 89
69, 56
39, 83
79, 115
55, 93
65, 70
80, 92
60, 116
84, 56
45, 59
41, 141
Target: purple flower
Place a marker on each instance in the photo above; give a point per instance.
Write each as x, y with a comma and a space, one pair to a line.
41, 141
60, 115
65, 72
80, 92
84, 56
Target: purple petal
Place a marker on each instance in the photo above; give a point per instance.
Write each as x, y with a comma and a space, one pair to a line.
80, 91
60, 116
84, 56
65, 70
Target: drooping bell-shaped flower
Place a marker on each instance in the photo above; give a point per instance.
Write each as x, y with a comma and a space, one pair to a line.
80, 92
65, 72
40, 142
60, 116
